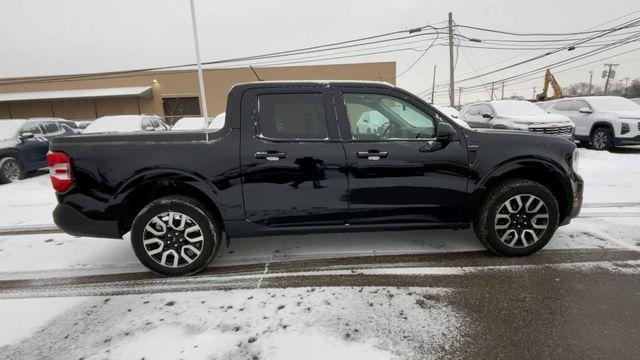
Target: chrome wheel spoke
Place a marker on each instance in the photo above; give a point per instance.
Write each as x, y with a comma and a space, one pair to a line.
521, 221
173, 239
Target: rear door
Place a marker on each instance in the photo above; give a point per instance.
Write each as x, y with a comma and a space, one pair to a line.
293, 163
399, 173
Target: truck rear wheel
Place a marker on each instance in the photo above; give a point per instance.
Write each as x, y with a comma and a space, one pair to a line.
175, 236
518, 218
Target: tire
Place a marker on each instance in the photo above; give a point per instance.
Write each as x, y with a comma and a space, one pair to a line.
11, 169
183, 256
497, 234
601, 139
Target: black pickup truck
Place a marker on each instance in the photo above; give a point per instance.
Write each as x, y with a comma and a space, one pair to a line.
303, 157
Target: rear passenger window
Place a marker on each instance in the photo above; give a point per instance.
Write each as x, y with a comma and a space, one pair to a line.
292, 116
563, 106
51, 127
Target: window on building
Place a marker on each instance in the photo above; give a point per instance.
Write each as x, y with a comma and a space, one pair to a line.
292, 116
175, 108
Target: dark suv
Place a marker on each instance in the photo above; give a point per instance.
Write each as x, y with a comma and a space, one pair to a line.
24, 145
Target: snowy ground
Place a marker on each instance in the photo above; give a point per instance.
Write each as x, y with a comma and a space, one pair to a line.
299, 322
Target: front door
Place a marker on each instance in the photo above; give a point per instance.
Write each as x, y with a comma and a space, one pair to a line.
398, 172
293, 163
34, 150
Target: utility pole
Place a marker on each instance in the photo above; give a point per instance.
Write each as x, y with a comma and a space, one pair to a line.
433, 85
502, 97
608, 76
626, 85
203, 98
451, 81
590, 82
459, 96
492, 91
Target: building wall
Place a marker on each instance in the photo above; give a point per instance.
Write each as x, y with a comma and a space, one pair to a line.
174, 84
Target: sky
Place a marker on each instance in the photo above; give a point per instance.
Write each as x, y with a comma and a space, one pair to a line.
44, 37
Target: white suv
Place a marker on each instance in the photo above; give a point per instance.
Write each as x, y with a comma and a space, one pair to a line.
602, 121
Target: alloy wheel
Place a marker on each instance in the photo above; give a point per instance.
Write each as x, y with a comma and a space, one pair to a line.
600, 140
521, 221
11, 169
173, 239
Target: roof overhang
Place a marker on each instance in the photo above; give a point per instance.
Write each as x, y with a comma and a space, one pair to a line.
136, 91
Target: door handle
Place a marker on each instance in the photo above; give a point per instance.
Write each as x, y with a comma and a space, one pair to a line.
270, 155
372, 154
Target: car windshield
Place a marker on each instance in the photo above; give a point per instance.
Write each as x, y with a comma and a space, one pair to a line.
613, 103
517, 108
125, 123
9, 128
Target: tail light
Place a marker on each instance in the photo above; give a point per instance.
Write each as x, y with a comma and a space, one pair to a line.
59, 171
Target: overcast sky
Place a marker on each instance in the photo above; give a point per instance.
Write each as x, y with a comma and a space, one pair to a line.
44, 37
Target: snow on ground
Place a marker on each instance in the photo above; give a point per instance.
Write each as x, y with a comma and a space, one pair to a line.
59, 255
20, 319
27, 202
610, 177
296, 323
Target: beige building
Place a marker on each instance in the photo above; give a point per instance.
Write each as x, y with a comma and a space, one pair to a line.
170, 94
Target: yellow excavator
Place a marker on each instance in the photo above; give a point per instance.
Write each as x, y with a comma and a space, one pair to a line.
557, 90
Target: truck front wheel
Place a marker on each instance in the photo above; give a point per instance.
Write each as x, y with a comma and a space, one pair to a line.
175, 236
518, 218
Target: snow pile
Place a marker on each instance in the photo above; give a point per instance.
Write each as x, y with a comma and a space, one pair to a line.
27, 202
298, 323
116, 123
610, 177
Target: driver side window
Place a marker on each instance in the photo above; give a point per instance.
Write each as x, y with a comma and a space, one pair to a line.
380, 117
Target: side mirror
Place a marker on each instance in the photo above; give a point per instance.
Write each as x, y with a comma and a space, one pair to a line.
585, 110
26, 135
487, 116
445, 132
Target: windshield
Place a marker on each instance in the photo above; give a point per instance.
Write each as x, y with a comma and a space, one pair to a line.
613, 103
517, 108
9, 128
126, 123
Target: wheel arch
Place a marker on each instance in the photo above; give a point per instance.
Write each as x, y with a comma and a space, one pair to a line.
599, 124
545, 172
154, 184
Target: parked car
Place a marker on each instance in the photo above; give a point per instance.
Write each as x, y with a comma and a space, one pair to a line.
24, 145
602, 121
82, 124
126, 123
218, 122
191, 123
453, 114
516, 115
291, 159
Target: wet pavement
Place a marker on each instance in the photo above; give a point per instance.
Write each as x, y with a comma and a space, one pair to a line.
569, 304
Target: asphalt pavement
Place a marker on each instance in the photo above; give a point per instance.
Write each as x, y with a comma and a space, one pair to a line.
569, 304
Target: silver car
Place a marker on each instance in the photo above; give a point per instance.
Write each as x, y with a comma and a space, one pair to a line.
516, 115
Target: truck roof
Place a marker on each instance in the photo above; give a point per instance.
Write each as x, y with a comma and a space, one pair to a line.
309, 83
